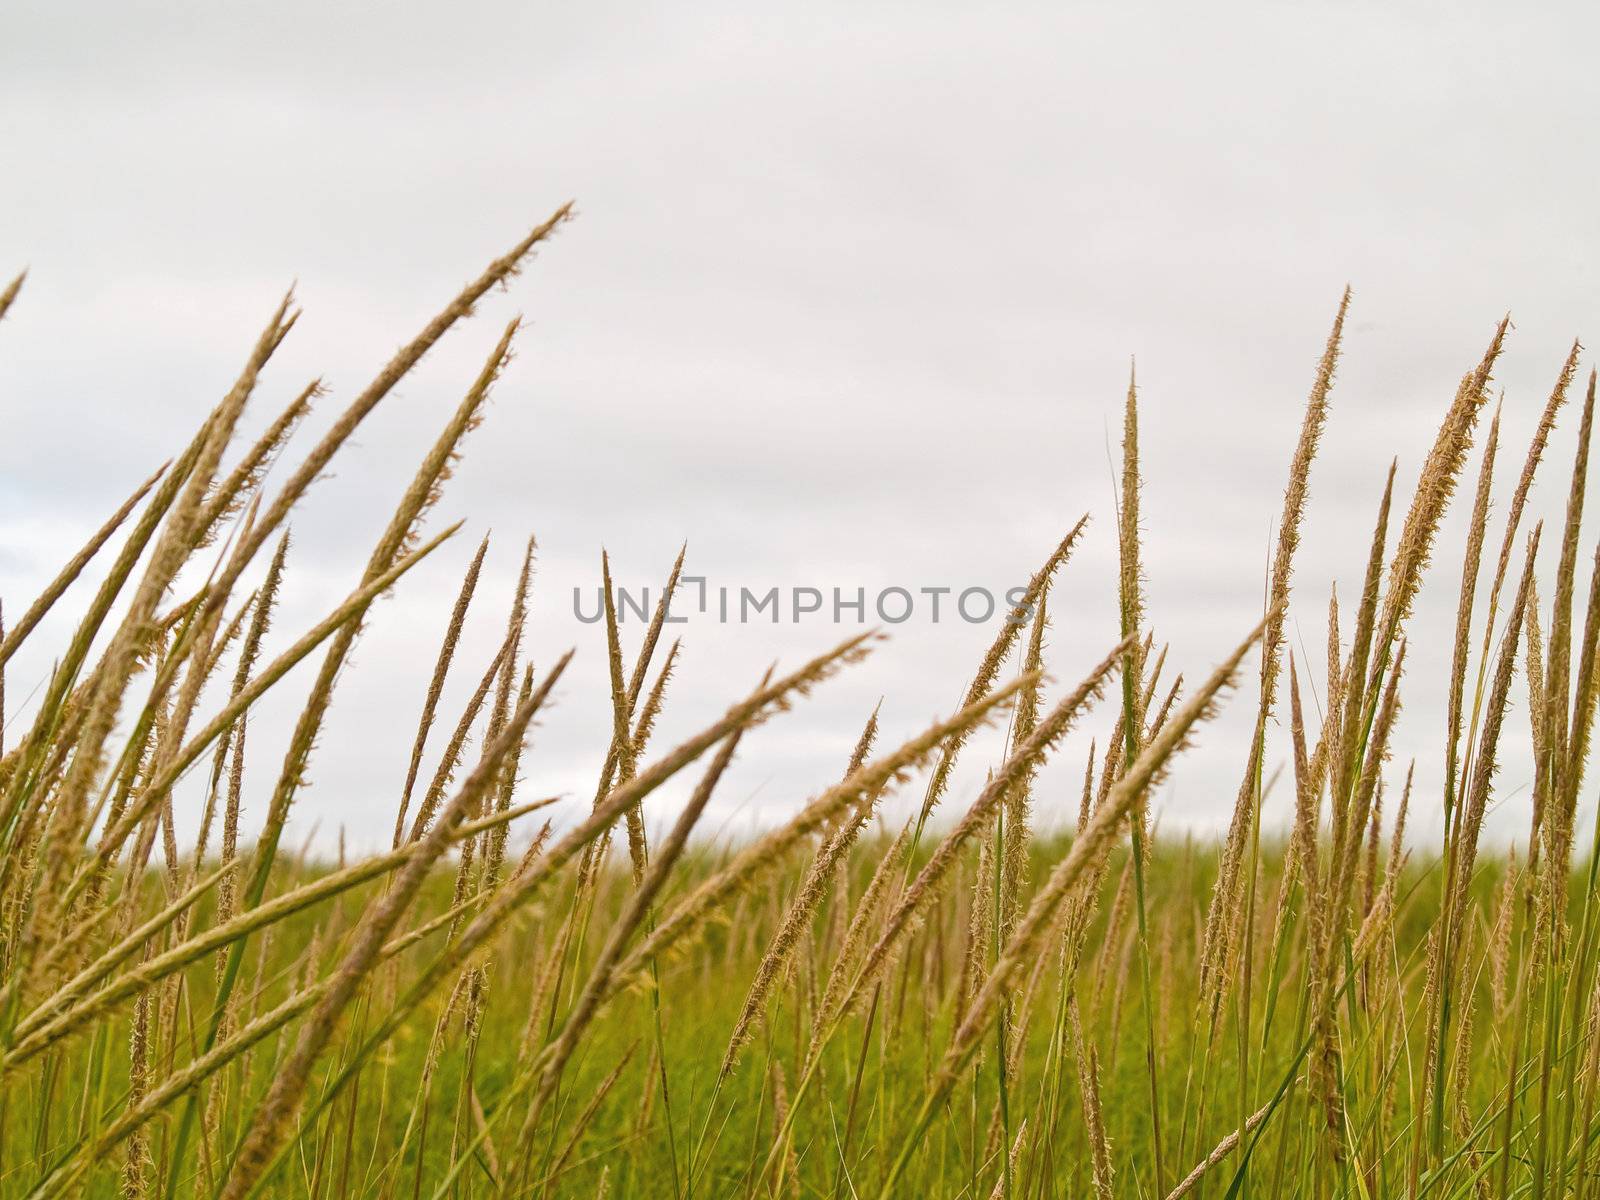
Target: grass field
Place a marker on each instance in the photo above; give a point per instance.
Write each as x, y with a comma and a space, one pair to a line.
839, 1006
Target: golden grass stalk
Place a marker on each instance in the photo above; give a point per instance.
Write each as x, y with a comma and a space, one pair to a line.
1294, 501
1381, 913
441, 670
754, 709
1013, 1159
641, 669
8, 296
1087, 849
1469, 582
1222, 924
1559, 726
852, 945
1353, 681
71, 1006
444, 772
650, 710
1093, 1116
926, 886
1435, 486
64, 579
66, 826
316, 462
766, 852
1477, 798
276, 1112
236, 1047
803, 907
113, 838
505, 789
249, 654
989, 668
243, 482
621, 715
1533, 660
1013, 863
1519, 496
1130, 579
554, 1058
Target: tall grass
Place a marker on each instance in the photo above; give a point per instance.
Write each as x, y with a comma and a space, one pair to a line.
961, 1007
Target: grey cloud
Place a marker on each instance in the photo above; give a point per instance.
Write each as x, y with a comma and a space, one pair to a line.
852, 299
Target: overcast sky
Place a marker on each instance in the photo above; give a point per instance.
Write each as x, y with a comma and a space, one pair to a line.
850, 302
